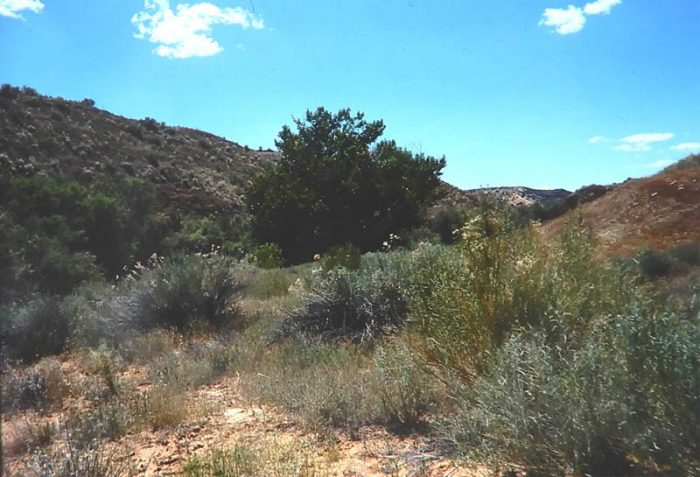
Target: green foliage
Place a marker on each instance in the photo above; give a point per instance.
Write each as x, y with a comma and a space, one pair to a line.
466, 300
446, 222
336, 184
270, 283
687, 253
628, 387
345, 256
40, 327
299, 458
267, 256
56, 233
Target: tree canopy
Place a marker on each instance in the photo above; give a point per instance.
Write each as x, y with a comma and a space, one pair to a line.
337, 183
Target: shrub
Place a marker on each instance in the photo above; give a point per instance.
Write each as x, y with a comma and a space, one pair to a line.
75, 462
37, 328
687, 253
181, 293
446, 221
189, 289
59, 271
8, 91
466, 300
655, 263
268, 256
407, 392
38, 387
356, 305
85, 430
624, 390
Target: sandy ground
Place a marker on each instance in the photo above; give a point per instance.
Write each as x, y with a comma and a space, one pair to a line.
219, 418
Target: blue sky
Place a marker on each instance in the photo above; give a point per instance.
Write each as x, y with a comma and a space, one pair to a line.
542, 93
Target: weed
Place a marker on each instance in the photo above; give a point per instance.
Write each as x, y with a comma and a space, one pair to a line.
164, 407
263, 459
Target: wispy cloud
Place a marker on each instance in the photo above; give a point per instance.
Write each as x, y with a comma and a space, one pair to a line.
687, 147
642, 142
12, 8
186, 31
600, 6
572, 19
597, 139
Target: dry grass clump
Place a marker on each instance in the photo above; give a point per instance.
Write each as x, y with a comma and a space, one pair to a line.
85, 429
298, 458
163, 407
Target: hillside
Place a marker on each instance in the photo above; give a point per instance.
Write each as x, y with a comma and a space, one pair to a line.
192, 170
515, 196
659, 211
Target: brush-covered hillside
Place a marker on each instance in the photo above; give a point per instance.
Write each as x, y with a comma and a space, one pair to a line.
193, 170
656, 212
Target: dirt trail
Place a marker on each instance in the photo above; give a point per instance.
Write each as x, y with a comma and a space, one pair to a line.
219, 417
230, 421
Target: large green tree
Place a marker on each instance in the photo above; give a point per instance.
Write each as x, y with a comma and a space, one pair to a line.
337, 183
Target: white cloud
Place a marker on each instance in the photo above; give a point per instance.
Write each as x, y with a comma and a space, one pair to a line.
642, 142
12, 8
687, 146
597, 139
564, 20
660, 164
186, 32
572, 19
600, 6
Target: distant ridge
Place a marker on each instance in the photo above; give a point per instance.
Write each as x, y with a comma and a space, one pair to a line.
514, 196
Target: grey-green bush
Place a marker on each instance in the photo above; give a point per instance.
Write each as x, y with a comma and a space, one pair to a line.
39, 327
355, 305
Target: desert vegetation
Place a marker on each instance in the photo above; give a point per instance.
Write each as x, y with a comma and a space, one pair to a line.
472, 330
